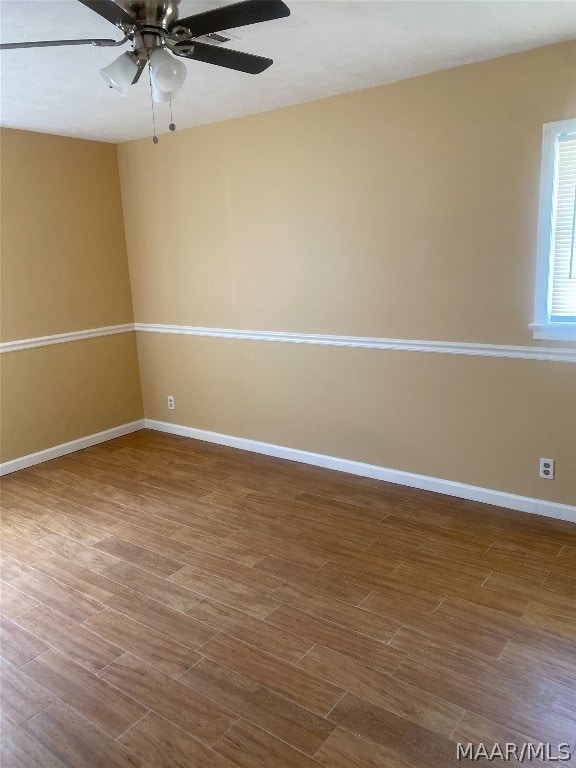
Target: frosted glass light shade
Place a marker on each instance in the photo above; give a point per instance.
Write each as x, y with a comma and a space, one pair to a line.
161, 96
168, 73
120, 73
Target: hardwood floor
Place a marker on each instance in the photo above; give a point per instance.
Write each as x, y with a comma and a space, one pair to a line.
168, 603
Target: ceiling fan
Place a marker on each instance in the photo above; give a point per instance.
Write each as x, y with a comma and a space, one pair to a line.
155, 31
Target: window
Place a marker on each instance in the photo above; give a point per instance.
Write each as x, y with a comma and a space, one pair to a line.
555, 311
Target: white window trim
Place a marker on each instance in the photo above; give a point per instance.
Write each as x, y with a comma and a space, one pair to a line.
542, 328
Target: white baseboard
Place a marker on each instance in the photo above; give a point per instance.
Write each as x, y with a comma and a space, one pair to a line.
399, 477
423, 482
73, 445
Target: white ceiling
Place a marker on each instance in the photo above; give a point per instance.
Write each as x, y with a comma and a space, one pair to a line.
324, 48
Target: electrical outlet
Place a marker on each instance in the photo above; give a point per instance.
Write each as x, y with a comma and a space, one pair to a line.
547, 469
171, 404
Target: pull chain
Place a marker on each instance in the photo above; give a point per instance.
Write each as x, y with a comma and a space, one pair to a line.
154, 137
172, 127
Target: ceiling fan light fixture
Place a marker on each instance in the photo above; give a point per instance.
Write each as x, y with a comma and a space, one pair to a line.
121, 72
162, 96
167, 72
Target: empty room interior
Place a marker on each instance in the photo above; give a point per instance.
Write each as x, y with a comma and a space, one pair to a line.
288, 384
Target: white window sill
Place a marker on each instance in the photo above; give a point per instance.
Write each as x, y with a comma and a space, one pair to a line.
554, 331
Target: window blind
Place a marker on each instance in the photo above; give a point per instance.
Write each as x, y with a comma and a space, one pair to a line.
562, 284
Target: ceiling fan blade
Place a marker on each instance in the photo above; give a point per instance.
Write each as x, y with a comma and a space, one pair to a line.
223, 57
230, 16
50, 43
141, 65
109, 11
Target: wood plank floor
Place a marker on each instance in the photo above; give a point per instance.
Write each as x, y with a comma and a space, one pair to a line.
168, 603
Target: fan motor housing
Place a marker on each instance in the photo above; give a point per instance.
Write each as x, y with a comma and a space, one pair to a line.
158, 13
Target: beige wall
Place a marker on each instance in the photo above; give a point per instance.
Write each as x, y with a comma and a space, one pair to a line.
51, 395
64, 262
63, 268
470, 419
406, 211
